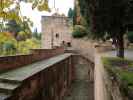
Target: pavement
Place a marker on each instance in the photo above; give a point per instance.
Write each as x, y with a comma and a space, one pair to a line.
128, 54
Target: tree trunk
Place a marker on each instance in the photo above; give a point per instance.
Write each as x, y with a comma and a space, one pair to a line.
120, 46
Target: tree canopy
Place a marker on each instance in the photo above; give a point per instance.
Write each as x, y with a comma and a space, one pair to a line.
70, 13
108, 17
15, 33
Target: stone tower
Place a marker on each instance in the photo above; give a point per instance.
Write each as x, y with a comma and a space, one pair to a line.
55, 31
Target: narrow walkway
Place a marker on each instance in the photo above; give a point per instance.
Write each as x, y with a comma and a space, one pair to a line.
81, 88
128, 54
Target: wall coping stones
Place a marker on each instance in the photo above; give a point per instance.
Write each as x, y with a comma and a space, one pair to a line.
23, 73
11, 80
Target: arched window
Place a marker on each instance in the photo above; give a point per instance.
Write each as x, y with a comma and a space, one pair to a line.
57, 35
69, 44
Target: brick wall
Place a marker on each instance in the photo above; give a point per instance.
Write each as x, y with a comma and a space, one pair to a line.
11, 62
49, 84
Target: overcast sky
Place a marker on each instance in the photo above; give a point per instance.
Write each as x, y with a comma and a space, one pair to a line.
35, 15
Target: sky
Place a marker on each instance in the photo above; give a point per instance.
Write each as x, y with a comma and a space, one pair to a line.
35, 16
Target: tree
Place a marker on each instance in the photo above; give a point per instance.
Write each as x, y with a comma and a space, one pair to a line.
79, 31
6, 12
36, 35
108, 17
41, 5
20, 30
25, 27
7, 43
84, 10
13, 27
70, 13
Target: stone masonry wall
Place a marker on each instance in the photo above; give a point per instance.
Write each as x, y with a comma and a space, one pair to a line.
56, 30
84, 47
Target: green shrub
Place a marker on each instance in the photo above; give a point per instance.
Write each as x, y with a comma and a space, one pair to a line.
25, 46
79, 31
9, 48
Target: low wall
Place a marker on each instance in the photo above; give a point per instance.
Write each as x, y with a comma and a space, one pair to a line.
49, 84
105, 87
84, 47
12, 62
103, 48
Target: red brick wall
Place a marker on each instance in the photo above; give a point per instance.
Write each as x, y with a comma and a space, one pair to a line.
11, 62
49, 84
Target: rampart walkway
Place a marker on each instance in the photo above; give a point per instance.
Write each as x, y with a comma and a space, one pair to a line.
49, 79
81, 88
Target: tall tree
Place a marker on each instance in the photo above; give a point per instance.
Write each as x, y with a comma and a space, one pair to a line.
13, 27
70, 13
108, 17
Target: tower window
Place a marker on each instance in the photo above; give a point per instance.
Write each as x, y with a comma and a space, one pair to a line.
57, 35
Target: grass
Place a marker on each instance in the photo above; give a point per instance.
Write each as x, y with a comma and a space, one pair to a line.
122, 69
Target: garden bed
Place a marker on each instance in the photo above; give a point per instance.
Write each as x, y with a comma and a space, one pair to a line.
121, 71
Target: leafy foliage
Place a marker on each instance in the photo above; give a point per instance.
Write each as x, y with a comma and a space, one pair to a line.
13, 27
84, 10
37, 35
7, 44
18, 39
79, 31
10, 46
6, 13
25, 46
130, 36
105, 16
71, 13
41, 5
108, 18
